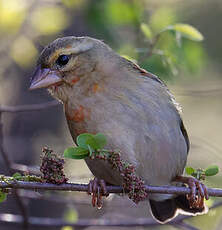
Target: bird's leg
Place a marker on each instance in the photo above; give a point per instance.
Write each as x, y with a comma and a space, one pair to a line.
97, 187
198, 191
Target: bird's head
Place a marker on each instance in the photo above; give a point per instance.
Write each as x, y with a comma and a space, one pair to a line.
66, 60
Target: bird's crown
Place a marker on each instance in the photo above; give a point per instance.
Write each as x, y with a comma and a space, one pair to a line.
66, 46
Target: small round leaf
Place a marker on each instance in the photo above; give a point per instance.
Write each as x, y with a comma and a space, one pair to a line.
189, 170
211, 170
100, 141
76, 153
85, 139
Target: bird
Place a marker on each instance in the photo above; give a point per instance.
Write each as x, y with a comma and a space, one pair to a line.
102, 92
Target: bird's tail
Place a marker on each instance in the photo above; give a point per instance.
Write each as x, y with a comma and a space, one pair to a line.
164, 211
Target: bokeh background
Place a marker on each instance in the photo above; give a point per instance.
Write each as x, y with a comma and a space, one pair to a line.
191, 69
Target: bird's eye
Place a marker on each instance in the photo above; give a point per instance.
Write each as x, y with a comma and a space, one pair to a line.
62, 60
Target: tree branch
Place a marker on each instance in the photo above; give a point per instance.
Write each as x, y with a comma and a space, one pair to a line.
57, 222
28, 108
111, 189
53, 223
10, 219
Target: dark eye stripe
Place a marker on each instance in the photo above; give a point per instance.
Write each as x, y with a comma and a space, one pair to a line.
62, 60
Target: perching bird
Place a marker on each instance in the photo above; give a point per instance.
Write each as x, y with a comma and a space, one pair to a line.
103, 92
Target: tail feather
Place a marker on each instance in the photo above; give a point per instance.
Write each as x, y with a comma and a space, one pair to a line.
164, 211
183, 204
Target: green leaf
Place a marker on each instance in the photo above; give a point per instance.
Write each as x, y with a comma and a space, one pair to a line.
187, 31
189, 170
146, 30
97, 141
85, 139
76, 153
100, 141
17, 176
3, 196
211, 170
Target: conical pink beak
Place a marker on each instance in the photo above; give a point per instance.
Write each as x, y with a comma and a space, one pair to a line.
43, 78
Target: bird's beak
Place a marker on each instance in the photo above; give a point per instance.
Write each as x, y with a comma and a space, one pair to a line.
44, 77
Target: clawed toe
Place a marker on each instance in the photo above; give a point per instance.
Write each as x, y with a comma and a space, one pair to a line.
97, 188
198, 191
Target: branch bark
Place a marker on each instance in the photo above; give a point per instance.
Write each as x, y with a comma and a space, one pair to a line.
111, 189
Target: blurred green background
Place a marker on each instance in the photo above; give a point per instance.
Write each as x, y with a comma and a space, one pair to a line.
190, 66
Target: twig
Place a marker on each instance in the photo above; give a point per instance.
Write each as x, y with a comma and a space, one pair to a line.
200, 93
33, 170
28, 108
10, 219
111, 189
8, 164
151, 48
57, 222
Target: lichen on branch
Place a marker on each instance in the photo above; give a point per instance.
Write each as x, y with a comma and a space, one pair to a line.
52, 167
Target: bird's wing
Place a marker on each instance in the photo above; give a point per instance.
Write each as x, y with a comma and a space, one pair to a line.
184, 132
155, 78
146, 73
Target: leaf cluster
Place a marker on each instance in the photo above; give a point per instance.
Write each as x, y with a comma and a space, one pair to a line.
87, 145
167, 48
201, 174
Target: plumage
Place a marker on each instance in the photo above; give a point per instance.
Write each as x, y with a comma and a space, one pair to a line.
103, 92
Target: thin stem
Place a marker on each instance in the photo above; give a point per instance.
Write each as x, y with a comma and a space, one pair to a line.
151, 48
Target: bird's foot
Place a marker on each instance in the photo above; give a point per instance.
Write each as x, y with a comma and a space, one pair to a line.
198, 191
97, 188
